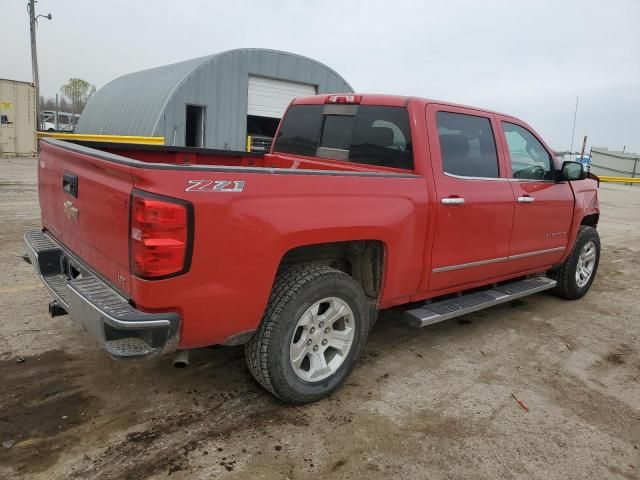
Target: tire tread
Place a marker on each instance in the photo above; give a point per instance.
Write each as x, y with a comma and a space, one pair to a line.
565, 275
285, 288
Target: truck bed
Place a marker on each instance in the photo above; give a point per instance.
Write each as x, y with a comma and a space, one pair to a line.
169, 155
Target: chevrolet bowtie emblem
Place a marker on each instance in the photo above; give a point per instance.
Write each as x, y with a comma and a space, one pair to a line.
70, 211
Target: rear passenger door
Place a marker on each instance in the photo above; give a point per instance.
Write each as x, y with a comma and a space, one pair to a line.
543, 206
474, 212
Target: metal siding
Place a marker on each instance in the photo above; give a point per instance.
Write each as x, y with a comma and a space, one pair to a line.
134, 103
153, 102
17, 102
614, 163
268, 97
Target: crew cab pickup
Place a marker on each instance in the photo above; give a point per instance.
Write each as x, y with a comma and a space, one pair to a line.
364, 202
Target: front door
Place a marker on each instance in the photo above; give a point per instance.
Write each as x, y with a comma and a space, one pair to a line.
543, 206
475, 207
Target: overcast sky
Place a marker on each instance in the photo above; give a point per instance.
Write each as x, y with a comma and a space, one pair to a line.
526, 58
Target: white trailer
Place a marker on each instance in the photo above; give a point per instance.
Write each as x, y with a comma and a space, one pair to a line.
17, 118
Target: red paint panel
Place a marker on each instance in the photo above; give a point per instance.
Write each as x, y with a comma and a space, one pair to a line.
100, 233
542, 224
478, 230
240, 239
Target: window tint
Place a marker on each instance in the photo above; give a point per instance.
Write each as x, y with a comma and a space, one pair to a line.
368, 134
337, 131
382, 137
300, 130
529, 158
467, 145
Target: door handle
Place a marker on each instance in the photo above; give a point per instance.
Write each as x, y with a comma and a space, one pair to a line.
70, 184
452, 201
526, 199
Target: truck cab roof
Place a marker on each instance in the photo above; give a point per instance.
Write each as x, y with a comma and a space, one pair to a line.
386, 100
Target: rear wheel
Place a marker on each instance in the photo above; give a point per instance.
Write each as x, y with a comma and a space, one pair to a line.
577, 273
311, 335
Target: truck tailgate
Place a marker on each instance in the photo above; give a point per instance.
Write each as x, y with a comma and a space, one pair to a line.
84, 202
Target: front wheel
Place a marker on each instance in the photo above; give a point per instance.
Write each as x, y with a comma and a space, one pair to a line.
578, 271
311, 335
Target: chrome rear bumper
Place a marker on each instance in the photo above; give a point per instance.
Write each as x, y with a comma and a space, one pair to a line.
123, 331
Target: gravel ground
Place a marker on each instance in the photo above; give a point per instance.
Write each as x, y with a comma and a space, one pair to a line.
429, 403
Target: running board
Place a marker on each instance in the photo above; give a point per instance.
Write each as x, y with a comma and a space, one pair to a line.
430, 313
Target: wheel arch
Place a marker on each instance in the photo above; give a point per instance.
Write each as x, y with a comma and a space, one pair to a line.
591, 220
364, 260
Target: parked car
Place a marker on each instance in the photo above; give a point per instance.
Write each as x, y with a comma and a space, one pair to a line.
364, 202
66, 122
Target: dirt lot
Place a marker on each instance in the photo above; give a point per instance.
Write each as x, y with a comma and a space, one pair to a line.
430, 403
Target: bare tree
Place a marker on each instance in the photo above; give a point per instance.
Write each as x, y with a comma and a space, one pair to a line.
78, 92
50, 104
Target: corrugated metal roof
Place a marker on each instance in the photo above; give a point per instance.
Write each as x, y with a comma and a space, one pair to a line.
135, 104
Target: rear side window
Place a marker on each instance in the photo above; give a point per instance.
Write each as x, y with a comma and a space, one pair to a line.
300, 131
367, 134
467, 145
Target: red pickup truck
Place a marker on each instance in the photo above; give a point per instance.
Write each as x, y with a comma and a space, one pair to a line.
364, 202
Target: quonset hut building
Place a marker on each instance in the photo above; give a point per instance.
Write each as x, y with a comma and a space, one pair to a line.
217, 101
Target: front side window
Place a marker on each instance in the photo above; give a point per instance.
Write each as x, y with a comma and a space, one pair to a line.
467, 145
366, 134
529, 159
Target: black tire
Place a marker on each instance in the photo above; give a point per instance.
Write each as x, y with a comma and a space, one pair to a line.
295, 291
567, 286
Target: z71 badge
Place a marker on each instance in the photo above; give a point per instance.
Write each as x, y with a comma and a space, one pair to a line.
215, 186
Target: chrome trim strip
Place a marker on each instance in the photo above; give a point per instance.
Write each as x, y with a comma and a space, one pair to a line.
469, 265
497, 179
462, 177
112, 320
520, 180
496, 260
538, 252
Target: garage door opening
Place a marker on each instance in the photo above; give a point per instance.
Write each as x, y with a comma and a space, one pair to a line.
268, 98
262, 125
260, 132
194, 129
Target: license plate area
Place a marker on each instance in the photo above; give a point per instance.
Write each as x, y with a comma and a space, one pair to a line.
70, 268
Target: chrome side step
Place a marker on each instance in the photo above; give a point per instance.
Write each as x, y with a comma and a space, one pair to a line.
435, 312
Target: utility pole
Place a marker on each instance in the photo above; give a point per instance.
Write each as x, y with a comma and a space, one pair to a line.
57, 113
575, 114
33, 18
31, 7
584, 145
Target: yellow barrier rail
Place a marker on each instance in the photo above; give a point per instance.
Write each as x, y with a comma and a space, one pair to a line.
619, 179
103, 138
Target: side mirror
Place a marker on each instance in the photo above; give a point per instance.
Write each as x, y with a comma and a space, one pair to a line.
573, 171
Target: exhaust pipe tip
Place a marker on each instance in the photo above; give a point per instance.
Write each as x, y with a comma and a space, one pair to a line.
181, 360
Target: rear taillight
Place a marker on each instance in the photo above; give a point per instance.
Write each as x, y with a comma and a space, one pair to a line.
160, 236
343, 99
